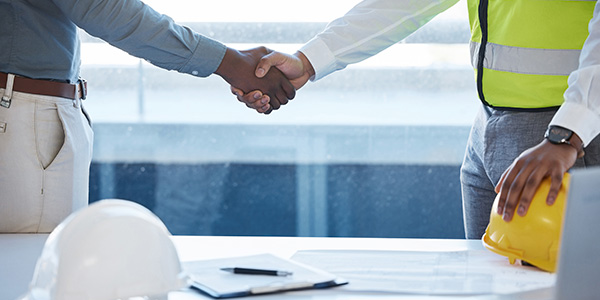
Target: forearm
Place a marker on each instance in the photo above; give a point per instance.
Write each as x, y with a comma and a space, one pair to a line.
141, 31
581, 109
367, 29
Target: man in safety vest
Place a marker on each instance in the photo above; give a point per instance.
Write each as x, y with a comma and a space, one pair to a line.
535, 79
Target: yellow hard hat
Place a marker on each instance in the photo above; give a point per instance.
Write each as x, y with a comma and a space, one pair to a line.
534, 238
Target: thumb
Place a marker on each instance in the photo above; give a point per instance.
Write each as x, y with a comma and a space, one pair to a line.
268, 61
498, 186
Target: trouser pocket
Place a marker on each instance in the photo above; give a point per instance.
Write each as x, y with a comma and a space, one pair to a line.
66, 178
49, 132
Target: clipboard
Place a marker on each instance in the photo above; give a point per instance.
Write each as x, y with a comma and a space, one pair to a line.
208, 278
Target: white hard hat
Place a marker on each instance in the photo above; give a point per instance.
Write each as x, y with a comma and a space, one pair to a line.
112, 249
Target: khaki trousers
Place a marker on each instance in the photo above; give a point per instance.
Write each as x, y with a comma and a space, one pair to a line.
45, 155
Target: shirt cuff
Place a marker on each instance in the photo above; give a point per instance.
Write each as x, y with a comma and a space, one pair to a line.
206, 58
579, 119
320, 57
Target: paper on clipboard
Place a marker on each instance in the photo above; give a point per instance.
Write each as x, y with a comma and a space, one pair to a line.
207, 277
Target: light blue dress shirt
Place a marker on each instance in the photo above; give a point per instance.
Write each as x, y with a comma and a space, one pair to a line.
38, 38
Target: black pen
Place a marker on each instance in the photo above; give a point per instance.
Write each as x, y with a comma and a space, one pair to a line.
257, 271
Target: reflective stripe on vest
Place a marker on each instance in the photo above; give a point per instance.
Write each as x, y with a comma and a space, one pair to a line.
524, 50
527, 60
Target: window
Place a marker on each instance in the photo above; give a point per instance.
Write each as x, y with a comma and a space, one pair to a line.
373, 150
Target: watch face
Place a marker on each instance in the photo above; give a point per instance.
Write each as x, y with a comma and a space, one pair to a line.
558, 135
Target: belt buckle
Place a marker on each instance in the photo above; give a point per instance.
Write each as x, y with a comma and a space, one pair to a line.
5, 102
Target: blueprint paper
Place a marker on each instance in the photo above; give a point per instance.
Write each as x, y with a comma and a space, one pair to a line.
473, 272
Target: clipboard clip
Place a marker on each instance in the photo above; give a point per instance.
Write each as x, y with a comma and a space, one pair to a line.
279, 286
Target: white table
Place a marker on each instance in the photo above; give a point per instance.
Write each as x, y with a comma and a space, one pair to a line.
19, 252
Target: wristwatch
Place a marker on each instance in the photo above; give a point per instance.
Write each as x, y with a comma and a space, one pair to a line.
560, 135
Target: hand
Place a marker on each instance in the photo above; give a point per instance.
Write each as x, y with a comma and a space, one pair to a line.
296, 67
237, 68
255, 100
521, 180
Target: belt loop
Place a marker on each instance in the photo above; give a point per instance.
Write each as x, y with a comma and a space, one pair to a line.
80, 92
6, 98
81, 88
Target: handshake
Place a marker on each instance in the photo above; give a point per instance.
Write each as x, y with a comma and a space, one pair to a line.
257, 84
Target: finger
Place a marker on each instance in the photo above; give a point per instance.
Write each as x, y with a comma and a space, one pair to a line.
269, 110
274, 103
257, 95
506, 182
555, 184
262, 105
236, 91
511, 200
498, 186
515, 191
289, 89
246, 98
528, 191
283, 100
250, 97
260, 108
265, 99
264, 109
266, 62
254, 103
509, 186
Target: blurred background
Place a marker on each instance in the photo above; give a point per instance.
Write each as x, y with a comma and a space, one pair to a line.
370, 151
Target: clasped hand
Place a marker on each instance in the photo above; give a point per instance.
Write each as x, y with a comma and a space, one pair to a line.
296, 68
238, 69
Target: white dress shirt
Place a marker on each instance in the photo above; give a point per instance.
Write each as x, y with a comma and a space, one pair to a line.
581, 110
373, 25
367, 29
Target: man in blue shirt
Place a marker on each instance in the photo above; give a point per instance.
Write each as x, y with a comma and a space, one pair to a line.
45, 138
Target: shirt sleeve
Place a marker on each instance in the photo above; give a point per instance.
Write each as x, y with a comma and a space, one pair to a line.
367, 29
581, 110
139, 30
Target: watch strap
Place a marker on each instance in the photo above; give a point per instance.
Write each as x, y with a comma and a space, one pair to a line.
576, 143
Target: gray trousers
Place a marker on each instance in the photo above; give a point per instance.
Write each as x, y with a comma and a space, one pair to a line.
496, 139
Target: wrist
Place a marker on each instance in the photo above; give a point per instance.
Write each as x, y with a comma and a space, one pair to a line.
308, 67
224, 69
577, 143
561, 136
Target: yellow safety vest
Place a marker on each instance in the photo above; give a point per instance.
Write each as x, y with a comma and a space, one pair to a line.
524, 50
